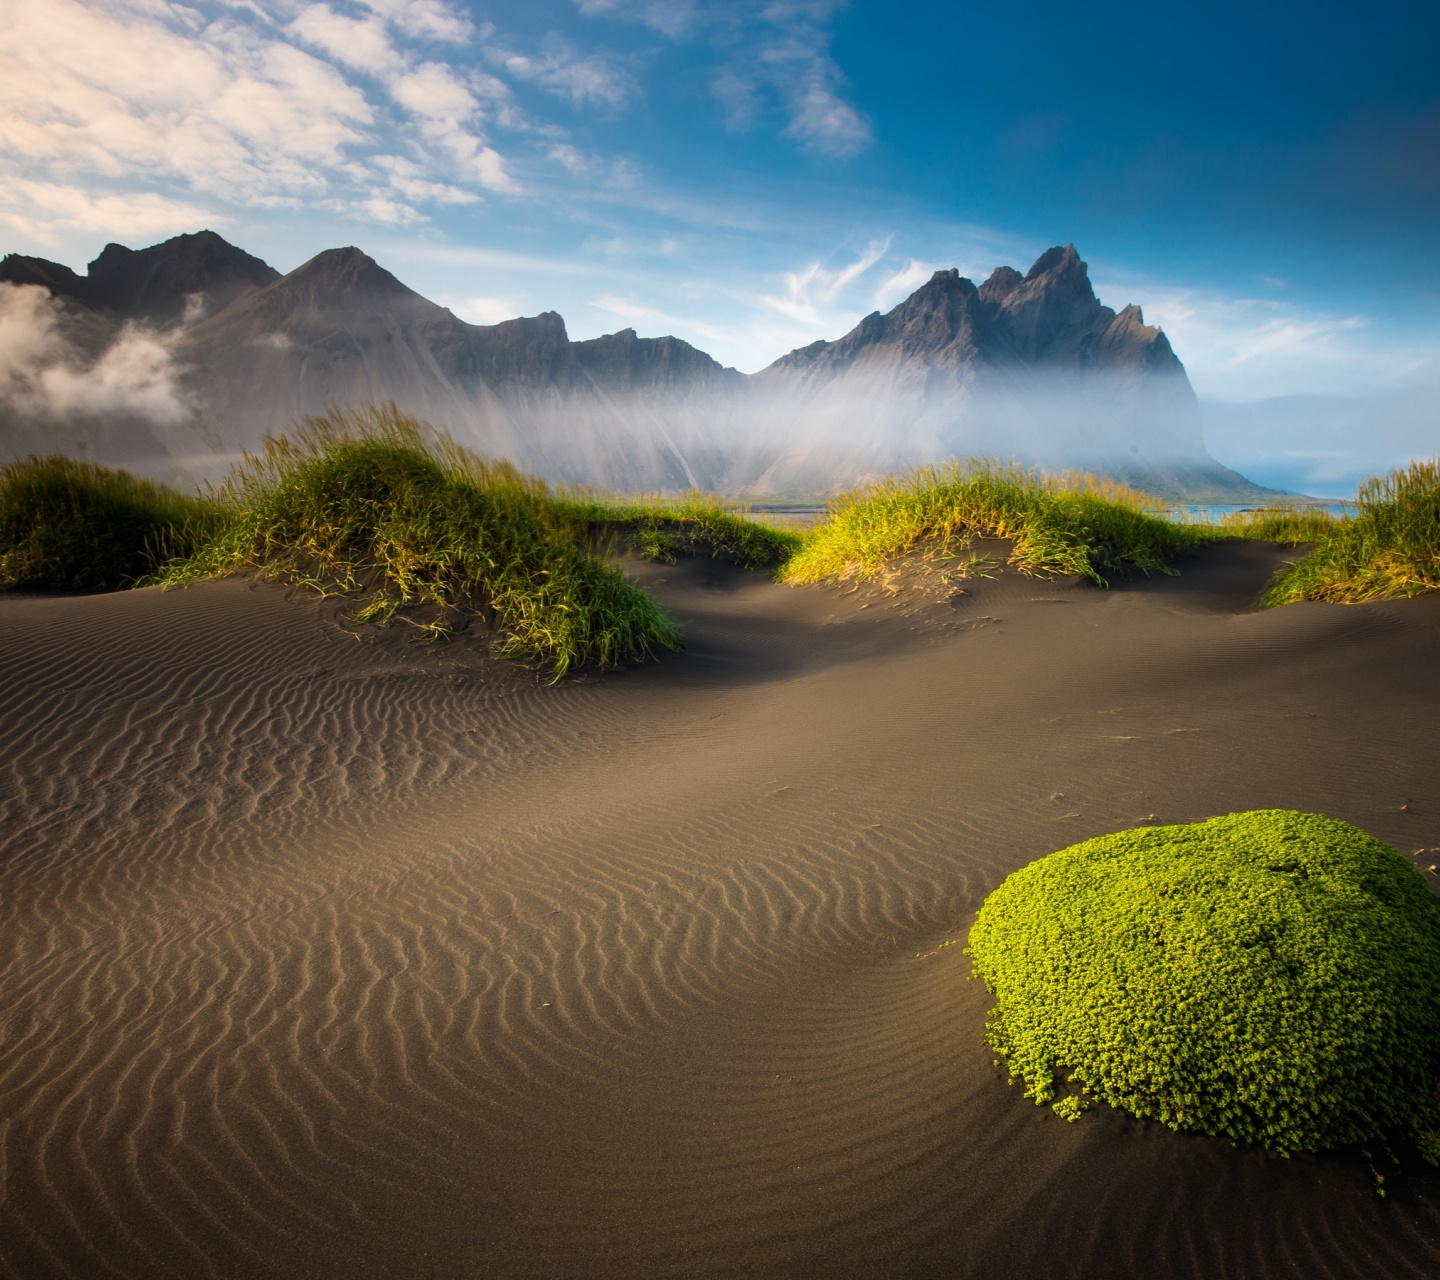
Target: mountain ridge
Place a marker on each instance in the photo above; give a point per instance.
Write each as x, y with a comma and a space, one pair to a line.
950, 370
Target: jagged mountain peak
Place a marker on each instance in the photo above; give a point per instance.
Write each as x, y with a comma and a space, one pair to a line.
1002, 283
347, 270
1050, 316
1058, 262
952, 369
159, 284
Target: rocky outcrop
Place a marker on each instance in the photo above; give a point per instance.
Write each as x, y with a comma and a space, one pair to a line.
341, 329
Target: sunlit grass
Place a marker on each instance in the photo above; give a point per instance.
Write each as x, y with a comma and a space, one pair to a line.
373, 505
66, 523
1072, 523
377, 506
1389, 548
664, 528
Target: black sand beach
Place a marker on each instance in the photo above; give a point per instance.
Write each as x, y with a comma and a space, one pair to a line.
324, 954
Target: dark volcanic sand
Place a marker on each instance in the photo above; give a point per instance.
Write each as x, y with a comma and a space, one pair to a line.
334, 957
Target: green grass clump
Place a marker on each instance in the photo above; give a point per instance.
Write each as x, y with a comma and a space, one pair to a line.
372, 504
65, 523
1389, 548
1272, 977
1287, 526
1059, 524
664, 529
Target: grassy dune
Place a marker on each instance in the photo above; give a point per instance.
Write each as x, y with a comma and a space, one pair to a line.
66, 523
372, 504
1389, 548
378, 506
1066, 524
661, 528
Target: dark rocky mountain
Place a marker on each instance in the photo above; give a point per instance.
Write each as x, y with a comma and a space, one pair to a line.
950, 330
341, 329
199, 271
1029, 366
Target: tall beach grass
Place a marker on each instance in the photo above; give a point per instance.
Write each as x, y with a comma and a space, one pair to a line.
67, 523
1390, 547
374, 505
1069, 523
665, 528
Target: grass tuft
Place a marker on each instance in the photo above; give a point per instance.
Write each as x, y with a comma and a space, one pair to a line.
661, 528
1389, 548
66, 523
1059, 524
1268, 976
375, 505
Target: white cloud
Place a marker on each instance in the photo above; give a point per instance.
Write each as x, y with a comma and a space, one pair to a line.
100, 99
774, 55
812, 292
1247, 348
900, 284
360, 43
435, 93
571, 157
391, 212
674, 18
407, 179
485, 310
582, 78
42, 209
824, 121
231, 113
424, 18
42, 372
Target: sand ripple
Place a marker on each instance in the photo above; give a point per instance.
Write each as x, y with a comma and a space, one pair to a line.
333, 957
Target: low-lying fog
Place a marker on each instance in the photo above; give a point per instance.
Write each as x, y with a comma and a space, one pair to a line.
123, 395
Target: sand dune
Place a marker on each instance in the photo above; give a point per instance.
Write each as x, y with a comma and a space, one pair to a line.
322, 954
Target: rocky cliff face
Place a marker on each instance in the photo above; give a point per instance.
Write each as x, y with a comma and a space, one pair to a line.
1029, 366
340, 329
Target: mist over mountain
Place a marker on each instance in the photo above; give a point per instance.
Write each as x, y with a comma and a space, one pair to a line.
173, 358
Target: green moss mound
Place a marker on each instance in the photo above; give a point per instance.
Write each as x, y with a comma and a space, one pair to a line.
1273, 977
65, 523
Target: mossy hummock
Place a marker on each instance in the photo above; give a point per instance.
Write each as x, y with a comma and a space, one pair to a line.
1272, 977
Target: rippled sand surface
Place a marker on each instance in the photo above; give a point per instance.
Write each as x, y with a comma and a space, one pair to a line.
325, 956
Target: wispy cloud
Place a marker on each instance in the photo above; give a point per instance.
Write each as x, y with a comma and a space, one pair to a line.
1244, 348
41, 210
773, 60
584, 79
811, 293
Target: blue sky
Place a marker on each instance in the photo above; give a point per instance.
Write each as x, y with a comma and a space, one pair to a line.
1263, 178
